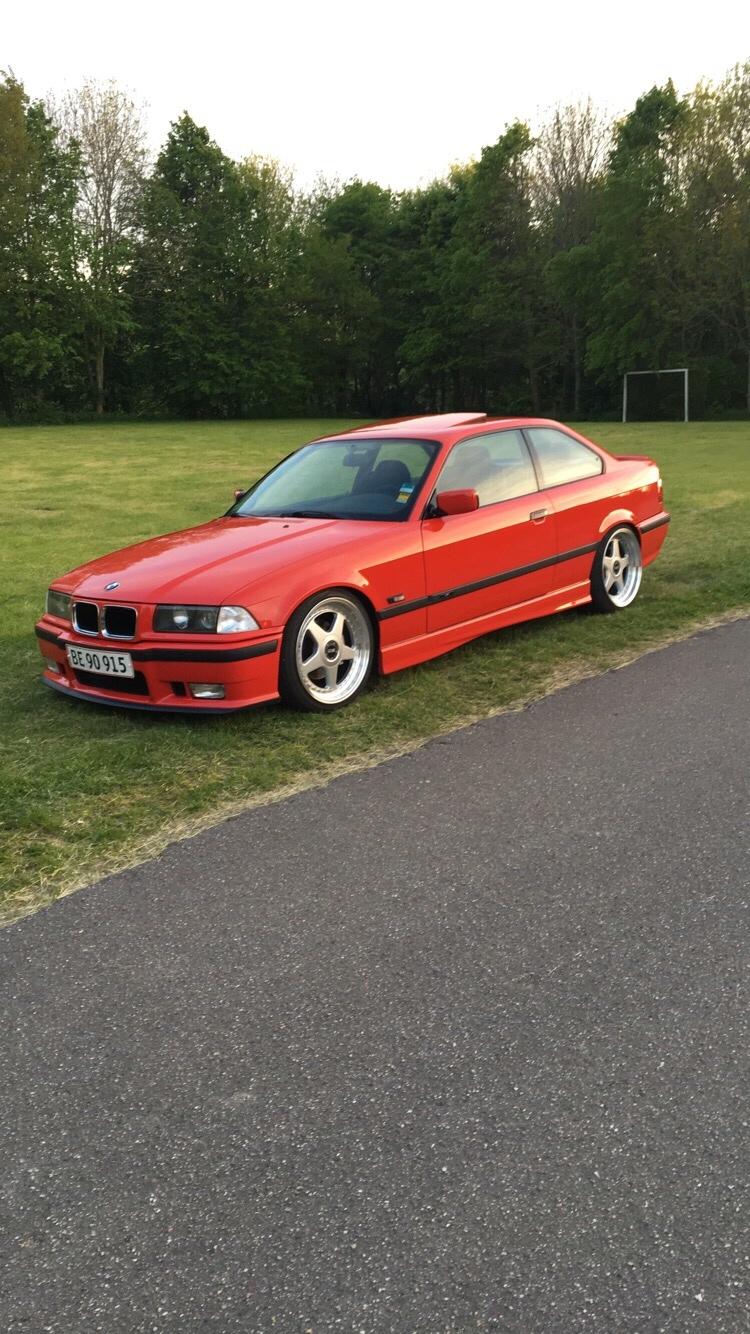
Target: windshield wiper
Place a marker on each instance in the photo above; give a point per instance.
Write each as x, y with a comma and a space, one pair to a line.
309, 514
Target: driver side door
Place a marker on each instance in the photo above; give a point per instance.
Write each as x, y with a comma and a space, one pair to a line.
483, 562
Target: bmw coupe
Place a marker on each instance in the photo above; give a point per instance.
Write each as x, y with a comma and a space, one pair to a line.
364, 552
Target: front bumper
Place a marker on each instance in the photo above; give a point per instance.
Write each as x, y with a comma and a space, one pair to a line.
248, 671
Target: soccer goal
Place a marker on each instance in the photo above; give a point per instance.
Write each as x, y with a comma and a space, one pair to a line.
653, 403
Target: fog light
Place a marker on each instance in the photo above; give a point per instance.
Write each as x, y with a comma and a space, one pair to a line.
201, 690
52, 665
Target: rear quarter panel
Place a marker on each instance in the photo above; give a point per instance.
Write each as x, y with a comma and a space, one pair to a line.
627, 492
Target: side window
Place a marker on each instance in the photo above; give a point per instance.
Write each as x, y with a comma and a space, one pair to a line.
497, 466
562, 458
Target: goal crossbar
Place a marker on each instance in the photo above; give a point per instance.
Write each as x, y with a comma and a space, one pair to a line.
671, 370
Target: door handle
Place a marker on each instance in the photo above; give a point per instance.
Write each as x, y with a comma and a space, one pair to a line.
538, 516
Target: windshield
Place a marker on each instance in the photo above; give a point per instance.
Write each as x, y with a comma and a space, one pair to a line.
343, 479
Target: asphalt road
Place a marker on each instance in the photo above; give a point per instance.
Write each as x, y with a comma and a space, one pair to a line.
459, 1043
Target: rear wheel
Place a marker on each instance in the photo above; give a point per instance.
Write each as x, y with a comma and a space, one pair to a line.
618, 569
328, 652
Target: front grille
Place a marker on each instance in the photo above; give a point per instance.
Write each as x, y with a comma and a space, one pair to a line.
122, 685
86, 618
119, 622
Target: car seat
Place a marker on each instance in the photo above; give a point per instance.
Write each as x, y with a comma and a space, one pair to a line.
388, 477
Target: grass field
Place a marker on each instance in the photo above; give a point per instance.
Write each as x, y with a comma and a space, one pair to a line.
84, 790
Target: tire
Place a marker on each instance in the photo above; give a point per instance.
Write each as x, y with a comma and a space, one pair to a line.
327, 653
617, 570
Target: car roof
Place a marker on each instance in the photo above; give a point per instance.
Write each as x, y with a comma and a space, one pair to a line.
445, 427
439, 422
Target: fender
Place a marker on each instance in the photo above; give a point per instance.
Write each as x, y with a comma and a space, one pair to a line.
273, 605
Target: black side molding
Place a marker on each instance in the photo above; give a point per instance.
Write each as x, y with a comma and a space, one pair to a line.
658, 522
204, 655
462, 589
172, 654
49, 636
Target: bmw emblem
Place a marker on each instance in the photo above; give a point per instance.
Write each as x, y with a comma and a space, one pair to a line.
109, 588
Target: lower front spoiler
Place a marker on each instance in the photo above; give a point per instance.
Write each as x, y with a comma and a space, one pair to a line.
144, 706
163, 676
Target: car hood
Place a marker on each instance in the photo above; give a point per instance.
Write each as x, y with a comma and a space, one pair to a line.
209, 564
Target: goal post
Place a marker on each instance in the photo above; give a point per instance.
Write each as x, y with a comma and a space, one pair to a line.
672, 370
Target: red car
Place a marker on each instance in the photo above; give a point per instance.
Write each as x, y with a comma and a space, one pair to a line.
367, 551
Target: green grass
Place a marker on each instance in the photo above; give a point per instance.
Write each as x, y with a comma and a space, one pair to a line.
83, 790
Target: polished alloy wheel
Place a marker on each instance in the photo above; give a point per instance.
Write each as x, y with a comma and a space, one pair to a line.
333, 650
622, 567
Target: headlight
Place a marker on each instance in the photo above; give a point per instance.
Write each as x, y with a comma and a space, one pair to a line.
203, 620
58, 604
186, 620
232, 620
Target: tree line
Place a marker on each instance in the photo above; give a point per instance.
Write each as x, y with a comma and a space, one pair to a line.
527, 280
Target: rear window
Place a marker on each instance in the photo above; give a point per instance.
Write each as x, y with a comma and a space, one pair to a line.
563, 459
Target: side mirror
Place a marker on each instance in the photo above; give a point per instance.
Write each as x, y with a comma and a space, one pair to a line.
239, 494
457, 502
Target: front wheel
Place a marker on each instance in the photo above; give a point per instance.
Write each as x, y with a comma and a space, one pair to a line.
618, 570
327, 653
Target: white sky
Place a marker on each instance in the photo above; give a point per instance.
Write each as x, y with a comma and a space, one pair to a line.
393, 91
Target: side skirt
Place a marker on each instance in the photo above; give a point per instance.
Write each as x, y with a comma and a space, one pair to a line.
421, 649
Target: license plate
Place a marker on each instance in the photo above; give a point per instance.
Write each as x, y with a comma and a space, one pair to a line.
105, 662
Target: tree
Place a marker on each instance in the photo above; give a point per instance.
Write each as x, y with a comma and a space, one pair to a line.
271, 264
567, 170
39, 310
431, 346
350, 261
733, 219
493, 280
636, 318
105, 125
208, 282
529, 278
